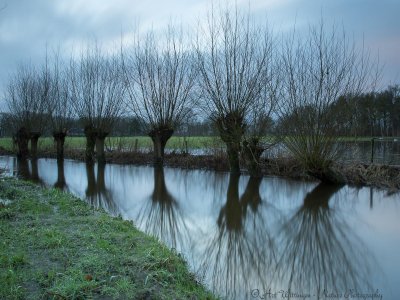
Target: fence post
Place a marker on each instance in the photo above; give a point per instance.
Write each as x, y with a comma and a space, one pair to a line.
372, 149
136, 145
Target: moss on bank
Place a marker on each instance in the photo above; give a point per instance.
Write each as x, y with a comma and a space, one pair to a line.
55, 246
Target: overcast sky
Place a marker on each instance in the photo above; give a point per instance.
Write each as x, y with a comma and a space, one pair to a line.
28, 26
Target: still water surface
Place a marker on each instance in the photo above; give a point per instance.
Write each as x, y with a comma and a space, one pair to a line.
249, 238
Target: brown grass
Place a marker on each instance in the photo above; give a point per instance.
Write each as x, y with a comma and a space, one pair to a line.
381, 176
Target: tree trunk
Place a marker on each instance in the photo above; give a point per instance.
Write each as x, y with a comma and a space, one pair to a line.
231, 129
326, 174
160, 136
22, 140
34, 136
90, 134
59, 138
101, 136
251, 153
233, 150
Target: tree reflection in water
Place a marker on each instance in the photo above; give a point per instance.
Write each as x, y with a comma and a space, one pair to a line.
61, 182
242, 251
319, 250
161, 216
97, 194
23, 169
315, 248
35, 172
26, 173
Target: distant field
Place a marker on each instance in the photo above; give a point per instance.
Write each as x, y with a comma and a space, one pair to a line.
128, 143
175, 143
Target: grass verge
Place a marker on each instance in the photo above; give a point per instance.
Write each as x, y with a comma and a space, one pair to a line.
175, 143
55, 246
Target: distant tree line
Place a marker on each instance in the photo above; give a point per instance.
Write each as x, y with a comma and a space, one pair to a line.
235, 78
370, 114
374, 114
124, 126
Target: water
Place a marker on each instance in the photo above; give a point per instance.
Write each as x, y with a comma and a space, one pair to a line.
249, 238
385, 151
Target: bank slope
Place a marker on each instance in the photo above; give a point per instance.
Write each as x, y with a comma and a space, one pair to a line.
53, 245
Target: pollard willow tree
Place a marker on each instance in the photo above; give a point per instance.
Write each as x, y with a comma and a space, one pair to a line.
59, 104
97, 97
318, 69
260, 122
160, 77
234, 60
26, 98
40, 116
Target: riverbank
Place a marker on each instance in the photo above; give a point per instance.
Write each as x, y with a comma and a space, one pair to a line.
381, 176
55, 246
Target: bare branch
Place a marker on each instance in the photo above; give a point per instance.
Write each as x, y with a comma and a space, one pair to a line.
160, 77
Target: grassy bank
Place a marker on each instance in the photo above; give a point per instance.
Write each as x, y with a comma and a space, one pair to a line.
54, 246
175, 143
276, 163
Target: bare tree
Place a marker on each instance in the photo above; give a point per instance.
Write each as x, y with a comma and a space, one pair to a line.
160, 77
260, 135
318, 69
19, 95
26, 97
39, 118
59, 104
234, 58
97, 97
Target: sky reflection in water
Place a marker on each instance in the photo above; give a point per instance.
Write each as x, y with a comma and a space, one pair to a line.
240, 234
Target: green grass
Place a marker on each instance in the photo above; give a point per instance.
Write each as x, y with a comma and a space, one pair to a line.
143, 142
55, 246
175, 143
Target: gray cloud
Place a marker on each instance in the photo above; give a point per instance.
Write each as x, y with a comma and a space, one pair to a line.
28, 26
